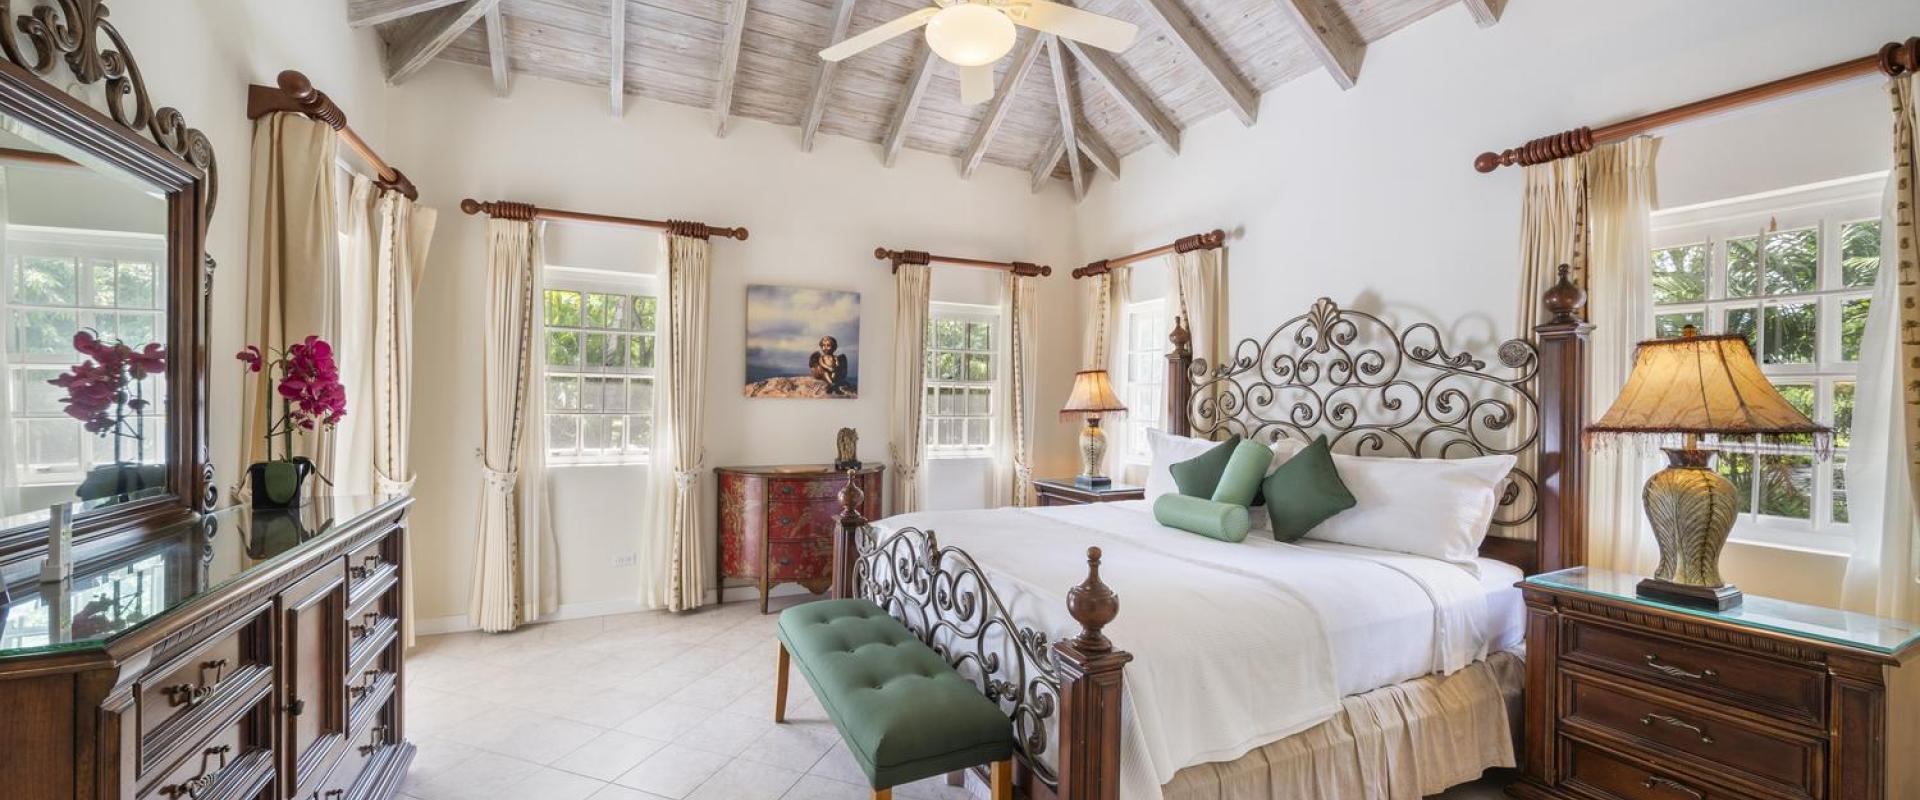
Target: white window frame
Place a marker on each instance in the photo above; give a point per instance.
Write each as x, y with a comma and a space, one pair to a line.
584, 280
1826, 207
1143, 367
929, 412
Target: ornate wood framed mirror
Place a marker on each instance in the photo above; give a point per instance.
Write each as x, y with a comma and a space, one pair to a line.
104, 280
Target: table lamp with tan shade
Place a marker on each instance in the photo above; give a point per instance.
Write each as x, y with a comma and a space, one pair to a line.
1093, 396
1695, 386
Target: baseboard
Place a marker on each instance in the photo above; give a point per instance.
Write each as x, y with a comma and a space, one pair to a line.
459, 623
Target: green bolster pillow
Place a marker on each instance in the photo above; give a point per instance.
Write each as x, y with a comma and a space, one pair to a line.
1240, 481
1223, 521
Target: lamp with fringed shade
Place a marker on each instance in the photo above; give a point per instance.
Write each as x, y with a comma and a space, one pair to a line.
1693, 386
1093, 396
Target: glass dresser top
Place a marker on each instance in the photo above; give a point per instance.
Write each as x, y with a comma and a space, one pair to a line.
119, 586
1861, 631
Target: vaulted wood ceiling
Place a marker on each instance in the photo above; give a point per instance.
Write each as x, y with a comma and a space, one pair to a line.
758, 59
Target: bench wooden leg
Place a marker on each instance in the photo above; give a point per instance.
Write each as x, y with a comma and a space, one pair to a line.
780, 686
1003, 780
883, 794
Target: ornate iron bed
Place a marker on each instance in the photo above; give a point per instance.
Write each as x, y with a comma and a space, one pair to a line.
1372, 388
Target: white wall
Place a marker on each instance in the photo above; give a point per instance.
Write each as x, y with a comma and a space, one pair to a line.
1368, 196
815, 219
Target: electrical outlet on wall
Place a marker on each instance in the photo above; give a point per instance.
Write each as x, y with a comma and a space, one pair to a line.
623, 560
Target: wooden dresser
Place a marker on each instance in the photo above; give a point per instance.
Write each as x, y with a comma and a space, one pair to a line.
1629, 699
777, 524
238, 656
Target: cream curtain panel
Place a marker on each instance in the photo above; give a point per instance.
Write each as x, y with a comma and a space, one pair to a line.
906, 442
675, 544
1619, 213
353, 437
1013, 441
513, 565
1102, 346
1883, 480
292, 252
1552, 232
1200, 286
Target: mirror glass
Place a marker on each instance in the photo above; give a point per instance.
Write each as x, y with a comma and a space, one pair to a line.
83, 332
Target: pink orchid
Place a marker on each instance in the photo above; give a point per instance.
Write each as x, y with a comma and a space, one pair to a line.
311, 395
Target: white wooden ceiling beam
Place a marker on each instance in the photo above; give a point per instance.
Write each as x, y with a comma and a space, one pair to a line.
419, 39
1067, 101
1132, 99
729, 64
1187, 35
1001, 104
1049, 158
368, 13
497, 51
1330, 36
1485, 12
1096, 149
617, 58
823, 77
911, 93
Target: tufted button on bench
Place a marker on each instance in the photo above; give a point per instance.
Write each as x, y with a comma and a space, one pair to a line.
902, 711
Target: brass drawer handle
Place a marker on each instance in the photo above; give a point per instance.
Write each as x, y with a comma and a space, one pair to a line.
1653, 782
1669, 669
190, 695
368, 679
192, 787
1677, 723
376, 736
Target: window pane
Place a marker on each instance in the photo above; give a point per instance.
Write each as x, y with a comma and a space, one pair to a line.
1860, 253
979, 367
932, 372
136, 330
951, 402
592, 392
640, 352
639, 432
1840, 489
52, 444
563, 348
640, 395
1793, 262
642, 318
103, 293
595, 431
949, 333
1843, 414
46, 281
1680, 274
134, 286
563, 393
950, 433
36, 396
1668, 326
563, 433
977, 402
616, 352
1737, 468
979, 432
603, 310
1853, 327
563, 308
1742, 321
44, 332
1790, 333
1743, 266
1786, 486
979, 336
947, 366
616, 397
616, 434
1800, 396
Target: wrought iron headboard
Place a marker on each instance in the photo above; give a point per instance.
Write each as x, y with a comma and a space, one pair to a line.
1377, 390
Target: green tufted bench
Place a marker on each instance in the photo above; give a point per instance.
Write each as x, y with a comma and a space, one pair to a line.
903, 712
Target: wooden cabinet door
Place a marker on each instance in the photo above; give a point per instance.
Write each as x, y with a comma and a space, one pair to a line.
313, 684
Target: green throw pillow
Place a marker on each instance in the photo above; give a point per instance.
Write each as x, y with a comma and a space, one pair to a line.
1223, 521
1197, 476
1305, 491
1240, 481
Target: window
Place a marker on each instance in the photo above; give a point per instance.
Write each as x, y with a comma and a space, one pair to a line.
962, 379
59, 281
1792, 271
1144, 373
598, 365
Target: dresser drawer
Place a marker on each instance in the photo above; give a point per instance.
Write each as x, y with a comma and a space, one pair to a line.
374, 562
801, 521
1787, 691
809, 490
176, 696
371, 623
1791, 765
232, 762
798, 560
1615, 777
367, 741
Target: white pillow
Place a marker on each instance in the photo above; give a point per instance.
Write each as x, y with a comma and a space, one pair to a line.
1432, 507
1166, 449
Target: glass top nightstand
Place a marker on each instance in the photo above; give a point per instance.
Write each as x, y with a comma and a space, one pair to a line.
1832, 625
1065, 491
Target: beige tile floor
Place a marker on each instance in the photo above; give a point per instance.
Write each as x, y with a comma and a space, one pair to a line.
649, 706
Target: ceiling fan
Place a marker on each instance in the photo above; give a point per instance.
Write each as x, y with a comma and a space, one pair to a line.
972, 34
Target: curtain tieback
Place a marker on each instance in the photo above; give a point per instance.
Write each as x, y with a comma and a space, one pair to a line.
685, 479
386, 485
502, 481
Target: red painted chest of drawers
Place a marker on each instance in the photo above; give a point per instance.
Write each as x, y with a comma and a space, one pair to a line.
777, 524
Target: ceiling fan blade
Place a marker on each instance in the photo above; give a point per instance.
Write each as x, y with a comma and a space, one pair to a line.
1085, 27
877, 34
976, 84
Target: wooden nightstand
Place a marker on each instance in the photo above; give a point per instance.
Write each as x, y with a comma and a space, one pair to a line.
1633, 699
1064, 492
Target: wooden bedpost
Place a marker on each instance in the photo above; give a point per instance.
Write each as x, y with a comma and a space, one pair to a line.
1179, 389
1562, 469
846, 541
1089, 723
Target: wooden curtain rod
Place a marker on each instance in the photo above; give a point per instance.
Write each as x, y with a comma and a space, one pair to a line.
296, 94
1893, 59
505, 209
898, 257
1185, 244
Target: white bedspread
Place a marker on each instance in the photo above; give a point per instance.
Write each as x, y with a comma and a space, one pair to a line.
1234, 645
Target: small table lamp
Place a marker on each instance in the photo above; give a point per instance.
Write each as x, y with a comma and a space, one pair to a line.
1693, 385
1092, 396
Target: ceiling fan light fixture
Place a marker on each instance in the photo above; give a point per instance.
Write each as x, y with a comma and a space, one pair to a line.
969, 34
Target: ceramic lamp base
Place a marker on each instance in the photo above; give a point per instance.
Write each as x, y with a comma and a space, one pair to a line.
1717, 598
1093, 450
1692, 509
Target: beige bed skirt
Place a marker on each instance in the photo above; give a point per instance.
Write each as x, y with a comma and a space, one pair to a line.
1400, 742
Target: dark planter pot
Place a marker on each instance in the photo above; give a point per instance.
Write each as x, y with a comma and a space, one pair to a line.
279, 484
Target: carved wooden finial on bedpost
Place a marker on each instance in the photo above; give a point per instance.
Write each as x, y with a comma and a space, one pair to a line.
846, 544
1179, 390
1562, 471
1090, 682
